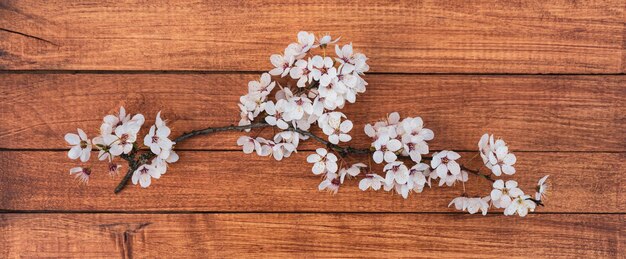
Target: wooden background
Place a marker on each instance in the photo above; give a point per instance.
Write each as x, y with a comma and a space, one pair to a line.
547, 76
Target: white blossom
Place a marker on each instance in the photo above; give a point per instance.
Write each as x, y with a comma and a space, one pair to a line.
445, 161
305, 43
324, 41
503, 193
385, 149
249, 144
81, 145
331, 183
372, 181
114, 169
144, 174
323, 161
417, 175
352, 171
302, 71
264, 86
160, 164
472, 205
278, 114
520, 205
299, 106
542, 188
496, 156
282, 64
82, 174
157, 138
396, 171
103, 148
334, 128
124, 136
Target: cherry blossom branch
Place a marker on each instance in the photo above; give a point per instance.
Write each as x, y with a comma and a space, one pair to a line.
134, 163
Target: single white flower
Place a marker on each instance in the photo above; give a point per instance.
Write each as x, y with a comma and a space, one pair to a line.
385, 149
302, 71
266, 148
81, 145
282, 64
103, 148
321, 68
331, 183
157, 138
396, 171
414, 147
299, 106
445, 161
82, 174
484, 148
124, 138
542, 188
460, 203
324, 41
344, 55
417, 175
520, 205
353, 171
501, 160
111, 122
253, 103
264, 86
305, 43
160, 165
503, 193
359, 60
144, 175
334, 128
372, 181
249, 144
475, 204
415, 127
323, 161
114, 169
278, 114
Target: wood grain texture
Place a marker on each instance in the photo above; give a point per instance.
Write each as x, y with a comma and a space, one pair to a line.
486, 36
233, 181
310, 235
533, 113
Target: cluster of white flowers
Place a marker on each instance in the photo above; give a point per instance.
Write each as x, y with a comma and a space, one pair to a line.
322, 85
391, 138
118, 136
505, 195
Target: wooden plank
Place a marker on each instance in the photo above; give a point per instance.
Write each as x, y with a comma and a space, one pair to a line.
486, 36
310, 235
533, 113
233, 181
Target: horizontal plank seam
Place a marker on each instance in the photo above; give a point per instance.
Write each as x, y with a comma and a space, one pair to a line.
313, 150
259, 72
281, 212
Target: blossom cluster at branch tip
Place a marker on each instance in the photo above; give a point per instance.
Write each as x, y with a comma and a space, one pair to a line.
504, 194
312, 87
118, 138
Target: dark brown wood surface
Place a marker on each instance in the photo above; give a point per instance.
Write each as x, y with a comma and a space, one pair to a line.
547, 76
486, 36
311, 235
